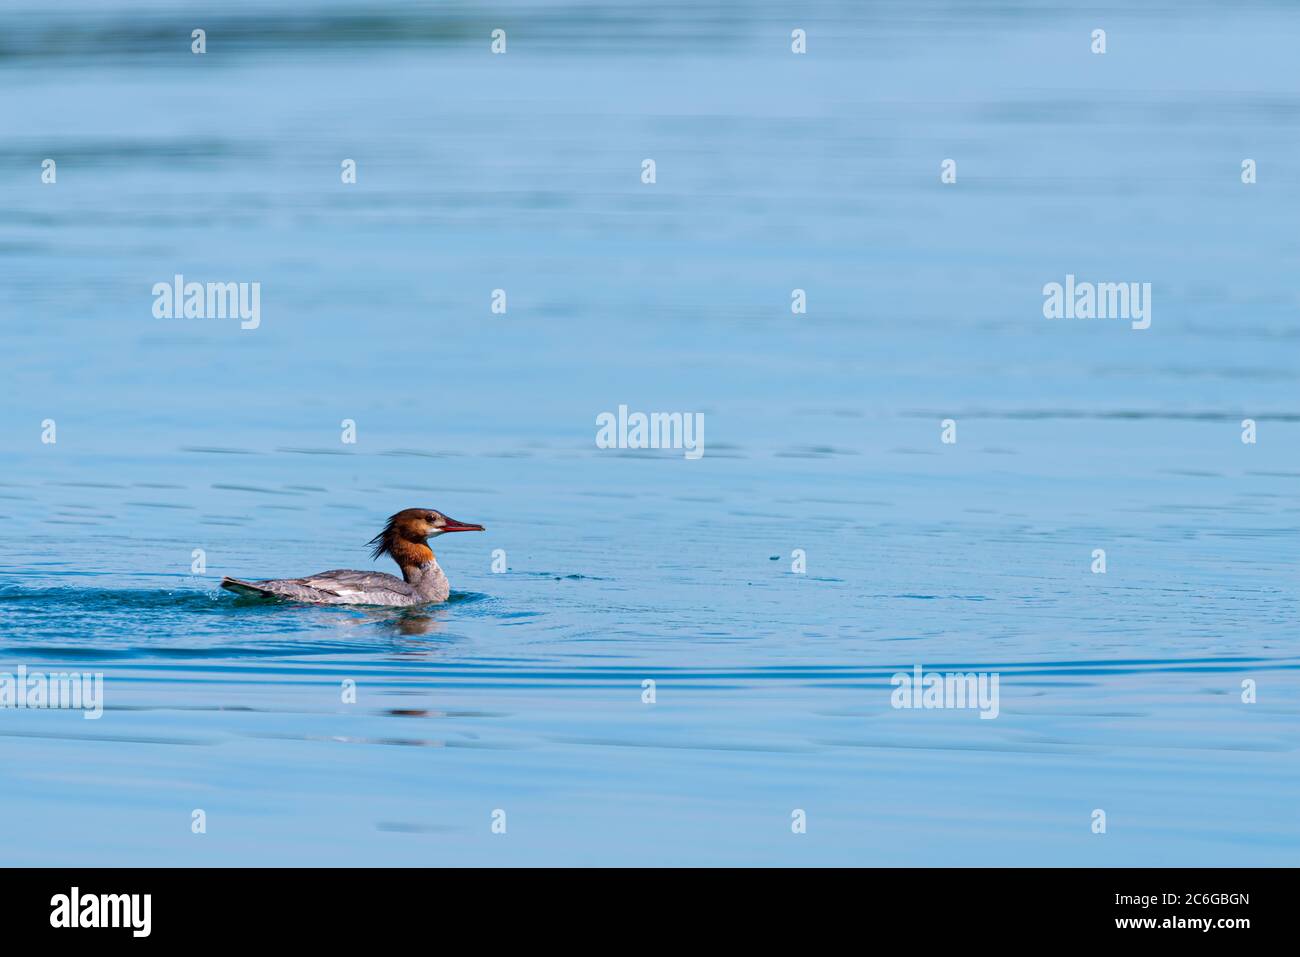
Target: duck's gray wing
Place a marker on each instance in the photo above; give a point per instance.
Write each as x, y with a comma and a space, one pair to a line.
337, 587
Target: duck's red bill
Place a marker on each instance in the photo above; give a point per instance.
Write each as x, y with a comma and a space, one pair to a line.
454, 526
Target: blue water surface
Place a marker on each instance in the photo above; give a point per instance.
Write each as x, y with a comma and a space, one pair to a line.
524, 694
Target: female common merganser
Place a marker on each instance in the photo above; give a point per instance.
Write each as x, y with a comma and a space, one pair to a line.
406, 539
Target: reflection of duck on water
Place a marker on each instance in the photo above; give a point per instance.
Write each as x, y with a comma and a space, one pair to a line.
412, 624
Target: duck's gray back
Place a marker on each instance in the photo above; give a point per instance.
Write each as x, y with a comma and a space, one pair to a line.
348, 587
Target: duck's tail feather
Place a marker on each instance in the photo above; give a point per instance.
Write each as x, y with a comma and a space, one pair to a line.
246, 588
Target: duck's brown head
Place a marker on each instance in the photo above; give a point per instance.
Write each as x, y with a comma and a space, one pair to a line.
406, 536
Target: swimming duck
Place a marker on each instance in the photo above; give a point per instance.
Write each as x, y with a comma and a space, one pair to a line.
405, 539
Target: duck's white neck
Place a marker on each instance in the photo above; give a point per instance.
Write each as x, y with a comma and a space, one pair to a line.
428, 580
